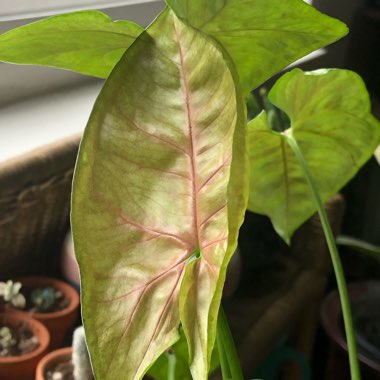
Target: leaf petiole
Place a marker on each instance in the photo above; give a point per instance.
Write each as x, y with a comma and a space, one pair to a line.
172, 361
337, 265
227, 353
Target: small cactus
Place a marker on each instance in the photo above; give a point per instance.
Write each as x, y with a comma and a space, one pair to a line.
80, 357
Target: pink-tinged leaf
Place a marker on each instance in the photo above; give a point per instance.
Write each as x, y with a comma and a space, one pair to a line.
152, 196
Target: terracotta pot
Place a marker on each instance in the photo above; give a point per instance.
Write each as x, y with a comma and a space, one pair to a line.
59, 323
51, 360
332, 322
23, 367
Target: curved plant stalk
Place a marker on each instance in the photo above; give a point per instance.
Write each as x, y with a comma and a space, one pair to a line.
359, 245
342, 286
227, 351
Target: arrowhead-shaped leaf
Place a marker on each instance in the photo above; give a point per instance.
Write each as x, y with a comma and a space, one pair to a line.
88, 42
261, 36
153, 197
331, 121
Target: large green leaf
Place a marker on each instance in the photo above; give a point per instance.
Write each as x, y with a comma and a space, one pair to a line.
153, 197
261, 36
88, 42
331, 121
198, 322
197, 12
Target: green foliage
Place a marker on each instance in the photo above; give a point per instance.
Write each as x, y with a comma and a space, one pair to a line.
88, 42
331, 121
261, 36
161, 182
152, 188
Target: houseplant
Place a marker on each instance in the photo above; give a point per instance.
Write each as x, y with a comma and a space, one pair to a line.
69, 361
364, 297
22, 365
58, 315
161, 182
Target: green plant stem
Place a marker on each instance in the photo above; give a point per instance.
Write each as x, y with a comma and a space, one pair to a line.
172, 361
225, 339
337, 265
359, 245
223, 358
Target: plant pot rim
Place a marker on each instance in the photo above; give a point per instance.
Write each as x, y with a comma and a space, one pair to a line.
331, 316
69, 291
34, 325
43, 363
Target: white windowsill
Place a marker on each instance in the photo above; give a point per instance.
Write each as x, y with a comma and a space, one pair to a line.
35, 122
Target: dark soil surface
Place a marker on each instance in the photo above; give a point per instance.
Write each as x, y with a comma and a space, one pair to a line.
22, 342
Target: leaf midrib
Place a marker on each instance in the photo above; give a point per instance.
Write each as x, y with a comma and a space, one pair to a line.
188, 110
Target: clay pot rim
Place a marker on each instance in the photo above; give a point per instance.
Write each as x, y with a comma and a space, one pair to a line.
331, 307
69, 291
43, 363
34, 325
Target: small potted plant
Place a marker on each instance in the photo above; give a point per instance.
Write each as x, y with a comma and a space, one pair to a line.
67, 363
163, 173
23, 342
48, 300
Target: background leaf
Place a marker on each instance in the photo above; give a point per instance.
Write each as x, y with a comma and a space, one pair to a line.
197, 12
331, 121
261, 36
88, 42
150, 194
159, 370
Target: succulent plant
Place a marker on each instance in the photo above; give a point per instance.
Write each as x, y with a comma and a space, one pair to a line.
80, 358
6, 338
10, 291
44, 298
